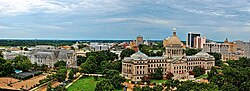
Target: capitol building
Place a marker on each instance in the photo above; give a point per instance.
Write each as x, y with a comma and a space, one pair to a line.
173, 61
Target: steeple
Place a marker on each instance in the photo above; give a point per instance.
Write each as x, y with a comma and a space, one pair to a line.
174, 31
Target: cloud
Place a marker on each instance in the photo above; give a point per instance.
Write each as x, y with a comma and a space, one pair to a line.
141, 20
247, 24
98, 18
3, 27
14, 7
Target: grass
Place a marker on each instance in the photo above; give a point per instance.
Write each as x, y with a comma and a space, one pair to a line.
85, 84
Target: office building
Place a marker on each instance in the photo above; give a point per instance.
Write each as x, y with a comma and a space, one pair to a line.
191, 39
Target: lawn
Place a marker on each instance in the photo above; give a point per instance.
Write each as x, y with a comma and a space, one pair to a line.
86, 84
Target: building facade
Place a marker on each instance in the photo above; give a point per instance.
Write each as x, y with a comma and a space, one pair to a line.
174, 61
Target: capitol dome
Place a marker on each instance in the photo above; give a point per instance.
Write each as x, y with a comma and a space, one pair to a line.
173, 40
139, 55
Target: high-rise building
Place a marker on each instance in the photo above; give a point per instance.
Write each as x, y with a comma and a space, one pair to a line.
199, 41
190, 39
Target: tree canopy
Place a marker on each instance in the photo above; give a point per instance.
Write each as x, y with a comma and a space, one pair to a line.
198, 71
191, 51
6, 67
60, 63
127, 53
22, 63
158, 73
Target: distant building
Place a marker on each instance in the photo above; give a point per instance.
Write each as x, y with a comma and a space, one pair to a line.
44, 47
10, 55
99, 46
175, 61
191, 39
243, 47
228, 50
139, 40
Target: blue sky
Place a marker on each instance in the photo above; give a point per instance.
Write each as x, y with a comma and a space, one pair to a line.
124, 19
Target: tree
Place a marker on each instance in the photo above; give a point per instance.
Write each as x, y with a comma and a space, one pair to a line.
117, 80
6, 67
104, 85
105, 66
89, 66
193, 86
81, 46
96, 78
21, 48
159, 53
1, 55
158, 74
71, 74
229, 87
43, 67
190, 52
127, 53
111, 73
170, 75
147, 88
146, 50
117, 65
22, 63
137, 88
60, 63
198, 71
158, 88
245, 86
61, 74
212, 73
74, 70
80, 60
26, 49
217, 57
49, 87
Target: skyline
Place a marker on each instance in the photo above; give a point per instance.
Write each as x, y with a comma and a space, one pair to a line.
119, 19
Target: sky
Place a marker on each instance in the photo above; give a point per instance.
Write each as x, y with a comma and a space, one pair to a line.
124, 19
